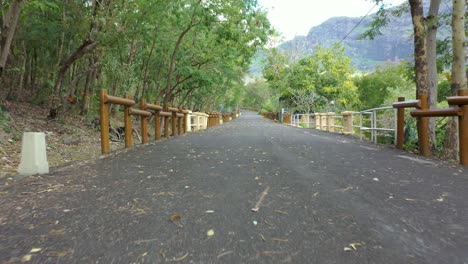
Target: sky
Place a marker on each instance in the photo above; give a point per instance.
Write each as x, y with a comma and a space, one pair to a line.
296, 17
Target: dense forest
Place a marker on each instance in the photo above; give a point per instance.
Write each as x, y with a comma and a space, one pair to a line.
58, 53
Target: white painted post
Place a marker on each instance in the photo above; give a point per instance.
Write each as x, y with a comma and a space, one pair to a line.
33, 154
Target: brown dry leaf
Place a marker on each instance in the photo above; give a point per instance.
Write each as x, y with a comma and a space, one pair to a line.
175, 217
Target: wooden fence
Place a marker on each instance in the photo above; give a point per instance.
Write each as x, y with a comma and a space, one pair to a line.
165, 116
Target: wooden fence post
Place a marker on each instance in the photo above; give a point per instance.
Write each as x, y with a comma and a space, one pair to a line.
128, 125
105, 147
463, 129
187, 127
166, 122
400, 125
423, 129
174, 123
144, 123
179, 123
157, 123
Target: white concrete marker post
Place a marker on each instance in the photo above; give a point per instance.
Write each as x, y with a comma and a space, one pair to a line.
33, 154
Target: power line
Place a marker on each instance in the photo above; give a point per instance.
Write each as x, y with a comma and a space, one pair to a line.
360, 21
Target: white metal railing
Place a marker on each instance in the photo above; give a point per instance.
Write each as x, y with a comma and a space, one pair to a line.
303, 120
373, 128
368, 121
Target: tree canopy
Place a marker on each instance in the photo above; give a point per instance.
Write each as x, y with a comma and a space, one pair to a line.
179, 52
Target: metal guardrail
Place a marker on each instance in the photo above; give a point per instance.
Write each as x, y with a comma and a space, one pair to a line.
374, 128
336, 123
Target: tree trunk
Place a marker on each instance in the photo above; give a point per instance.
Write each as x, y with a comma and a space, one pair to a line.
141, 88
86, 91
10, 22
432, 24
22, 75
420, 59
85, 47
167, 92
458, 80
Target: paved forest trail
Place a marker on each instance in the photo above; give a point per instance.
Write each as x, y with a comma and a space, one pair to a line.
321, 198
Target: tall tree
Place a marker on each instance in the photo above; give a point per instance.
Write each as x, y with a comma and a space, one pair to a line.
458, 80
432, 21
420, 66
9, 25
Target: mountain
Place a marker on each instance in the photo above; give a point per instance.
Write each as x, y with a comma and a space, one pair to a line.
393, 45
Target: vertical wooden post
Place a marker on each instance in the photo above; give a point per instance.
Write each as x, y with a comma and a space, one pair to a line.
347, 123
174, 124
179, 123
128, 125
463, 130
423, 129
105, 147
144, 123
331, 121
157, 123
166, 122
186, 121
400, 125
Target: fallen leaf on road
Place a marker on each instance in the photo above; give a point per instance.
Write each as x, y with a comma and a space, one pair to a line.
263, 238
280, 212
210, 233
34, 250
181, 258
347, 249
175, 217
224, 254
209, 211
255, 223
355, 245
60, 254
26, 258
279, 240
57, 231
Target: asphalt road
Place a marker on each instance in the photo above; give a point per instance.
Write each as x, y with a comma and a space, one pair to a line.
321, 198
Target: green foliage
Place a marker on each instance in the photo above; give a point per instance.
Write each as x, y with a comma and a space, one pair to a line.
326, 73
260, 96
376, 87
179, 51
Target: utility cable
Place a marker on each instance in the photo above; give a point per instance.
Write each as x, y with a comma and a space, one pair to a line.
360, 21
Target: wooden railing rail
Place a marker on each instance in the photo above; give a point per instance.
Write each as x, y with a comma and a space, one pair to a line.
164, 116
423, 138
106, 100
459, 108
178, 119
